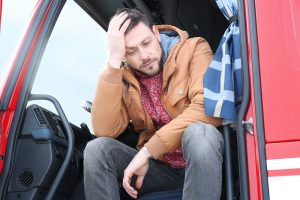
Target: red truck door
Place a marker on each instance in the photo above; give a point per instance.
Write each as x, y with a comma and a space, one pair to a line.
274, 49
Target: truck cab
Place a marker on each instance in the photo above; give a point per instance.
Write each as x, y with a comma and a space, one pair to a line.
56, 64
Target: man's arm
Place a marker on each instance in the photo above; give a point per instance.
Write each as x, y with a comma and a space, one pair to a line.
168, 138
139, 167
109, 115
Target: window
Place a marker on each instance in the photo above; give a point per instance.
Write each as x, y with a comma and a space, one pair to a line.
15, 16
71, 64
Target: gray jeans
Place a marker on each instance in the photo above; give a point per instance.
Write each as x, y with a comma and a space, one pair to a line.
105, 160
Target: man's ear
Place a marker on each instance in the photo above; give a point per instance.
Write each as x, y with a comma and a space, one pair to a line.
125, 63
156, 32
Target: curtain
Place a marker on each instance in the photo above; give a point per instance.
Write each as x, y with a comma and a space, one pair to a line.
223, 78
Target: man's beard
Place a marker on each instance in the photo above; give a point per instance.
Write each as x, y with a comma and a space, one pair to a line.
160, 66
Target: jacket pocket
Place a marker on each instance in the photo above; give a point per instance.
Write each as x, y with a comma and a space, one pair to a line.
179, 93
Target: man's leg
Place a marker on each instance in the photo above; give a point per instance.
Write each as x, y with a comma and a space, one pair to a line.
105, 160
203, 151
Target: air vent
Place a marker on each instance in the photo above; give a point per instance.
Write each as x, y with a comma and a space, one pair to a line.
40, 117
25, 179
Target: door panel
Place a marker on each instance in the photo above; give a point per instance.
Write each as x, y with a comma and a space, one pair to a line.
279, 51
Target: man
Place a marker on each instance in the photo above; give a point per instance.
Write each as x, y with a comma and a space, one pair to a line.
153, 79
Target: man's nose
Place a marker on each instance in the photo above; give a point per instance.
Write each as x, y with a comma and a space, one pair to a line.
143, 55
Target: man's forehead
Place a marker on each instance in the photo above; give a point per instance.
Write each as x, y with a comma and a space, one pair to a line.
139, 40
137, 35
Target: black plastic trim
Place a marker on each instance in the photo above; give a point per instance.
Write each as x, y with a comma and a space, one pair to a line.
258, 101
90, 9
228, 162
241, 137
70, 137
45, 135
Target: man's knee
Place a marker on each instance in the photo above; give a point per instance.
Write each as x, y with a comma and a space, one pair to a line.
97, 147
202, 137
198, 130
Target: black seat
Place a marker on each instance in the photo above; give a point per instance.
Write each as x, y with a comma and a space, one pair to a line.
164, 195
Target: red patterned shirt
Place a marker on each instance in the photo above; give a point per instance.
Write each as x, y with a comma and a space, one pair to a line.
151, 89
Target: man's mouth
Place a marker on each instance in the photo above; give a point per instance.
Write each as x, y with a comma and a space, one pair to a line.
147, 64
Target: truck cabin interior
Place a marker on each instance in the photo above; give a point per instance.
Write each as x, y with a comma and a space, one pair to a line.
199, 18
38, 161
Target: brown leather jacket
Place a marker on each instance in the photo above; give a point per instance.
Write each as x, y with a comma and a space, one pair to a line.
118, 97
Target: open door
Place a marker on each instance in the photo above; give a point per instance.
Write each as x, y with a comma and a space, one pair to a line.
16, 84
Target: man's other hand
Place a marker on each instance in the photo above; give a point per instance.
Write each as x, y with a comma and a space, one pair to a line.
139, 167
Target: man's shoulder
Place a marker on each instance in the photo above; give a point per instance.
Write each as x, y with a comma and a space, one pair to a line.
193, 41
193, 44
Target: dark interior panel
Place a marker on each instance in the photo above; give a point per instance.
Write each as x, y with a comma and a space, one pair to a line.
199, 18
40, 152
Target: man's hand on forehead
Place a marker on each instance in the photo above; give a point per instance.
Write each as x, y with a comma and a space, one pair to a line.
119, 22
116, 39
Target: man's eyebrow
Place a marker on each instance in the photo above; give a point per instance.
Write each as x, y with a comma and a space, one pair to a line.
133, 47
130, 47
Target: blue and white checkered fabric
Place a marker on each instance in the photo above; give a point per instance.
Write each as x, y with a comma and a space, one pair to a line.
223, 79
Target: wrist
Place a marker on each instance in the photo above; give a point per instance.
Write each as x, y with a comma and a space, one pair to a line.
115, 63
146, 152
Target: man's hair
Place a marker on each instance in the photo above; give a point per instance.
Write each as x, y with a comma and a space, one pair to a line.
135, 17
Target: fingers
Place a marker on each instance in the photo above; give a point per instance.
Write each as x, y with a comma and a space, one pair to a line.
139, 167
119, 22
116, 18
125, 25
139, 181
126, 182
116, 39
128, 188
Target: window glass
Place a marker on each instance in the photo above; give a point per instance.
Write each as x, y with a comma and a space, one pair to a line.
74, 56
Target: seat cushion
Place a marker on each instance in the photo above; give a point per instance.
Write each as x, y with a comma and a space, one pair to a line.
164, 195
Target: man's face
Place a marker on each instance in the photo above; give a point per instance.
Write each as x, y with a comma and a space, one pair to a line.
143, 50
